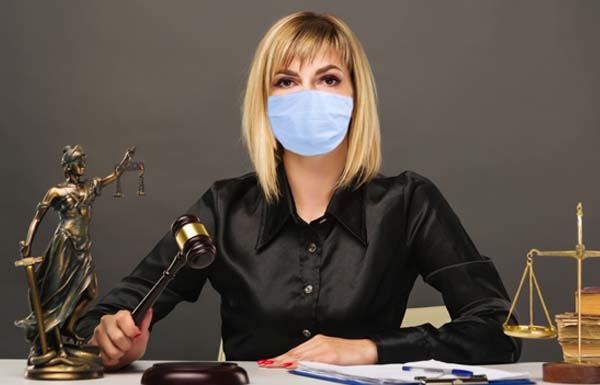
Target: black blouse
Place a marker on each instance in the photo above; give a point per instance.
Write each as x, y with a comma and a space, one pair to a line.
346, 274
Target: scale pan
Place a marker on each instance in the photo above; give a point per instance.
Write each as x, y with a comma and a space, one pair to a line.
530, 331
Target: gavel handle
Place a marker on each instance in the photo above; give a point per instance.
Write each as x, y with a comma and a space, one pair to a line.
150, 298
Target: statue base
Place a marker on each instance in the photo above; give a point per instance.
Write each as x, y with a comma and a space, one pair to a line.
73, 363
568, 373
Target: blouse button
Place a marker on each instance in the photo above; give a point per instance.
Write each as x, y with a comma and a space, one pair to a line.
306, 333
308, 289
312, 248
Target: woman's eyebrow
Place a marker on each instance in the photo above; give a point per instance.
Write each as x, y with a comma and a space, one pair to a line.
317, 72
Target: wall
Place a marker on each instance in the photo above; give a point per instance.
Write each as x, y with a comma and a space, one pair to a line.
495, 101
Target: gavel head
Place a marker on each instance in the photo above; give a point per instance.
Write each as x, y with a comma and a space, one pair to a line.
193, 241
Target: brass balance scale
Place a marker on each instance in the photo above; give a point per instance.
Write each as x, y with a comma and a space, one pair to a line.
132, 166
577, 372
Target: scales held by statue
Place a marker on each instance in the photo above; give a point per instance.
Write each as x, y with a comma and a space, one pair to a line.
131, 166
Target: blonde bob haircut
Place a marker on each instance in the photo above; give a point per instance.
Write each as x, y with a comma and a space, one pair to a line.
301, 35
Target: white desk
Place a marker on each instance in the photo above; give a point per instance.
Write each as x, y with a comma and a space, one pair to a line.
12, 372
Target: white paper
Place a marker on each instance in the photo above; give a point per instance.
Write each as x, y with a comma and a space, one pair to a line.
393, 373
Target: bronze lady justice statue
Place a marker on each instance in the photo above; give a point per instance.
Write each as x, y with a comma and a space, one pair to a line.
64, 282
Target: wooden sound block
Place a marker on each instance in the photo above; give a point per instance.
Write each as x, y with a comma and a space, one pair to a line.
571, 373
195, 373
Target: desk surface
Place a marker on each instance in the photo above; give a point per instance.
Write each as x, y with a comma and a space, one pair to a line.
12, 372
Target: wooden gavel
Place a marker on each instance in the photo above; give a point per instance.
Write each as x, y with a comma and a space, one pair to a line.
195, 250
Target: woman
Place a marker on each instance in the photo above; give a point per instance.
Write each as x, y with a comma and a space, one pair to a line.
317, 251
66, 279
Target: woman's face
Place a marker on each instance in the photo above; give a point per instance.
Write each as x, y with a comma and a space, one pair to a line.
325, 73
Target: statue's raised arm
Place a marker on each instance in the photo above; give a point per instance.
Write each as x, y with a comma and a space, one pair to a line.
119, 168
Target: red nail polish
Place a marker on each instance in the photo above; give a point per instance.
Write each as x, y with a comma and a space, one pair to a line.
137, 335
288, 364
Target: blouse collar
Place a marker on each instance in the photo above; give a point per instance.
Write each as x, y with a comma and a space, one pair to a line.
346, 206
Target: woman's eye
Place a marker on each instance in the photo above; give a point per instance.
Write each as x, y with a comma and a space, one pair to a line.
284, 82
331, 80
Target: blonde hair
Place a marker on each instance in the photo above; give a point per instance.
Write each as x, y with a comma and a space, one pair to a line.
301, 35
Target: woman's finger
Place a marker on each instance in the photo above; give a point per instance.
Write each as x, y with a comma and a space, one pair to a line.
318, 351
109, 350
289, 359
107, 361
126, 324
298, 350
147, 320
308, 346
291, 355
117, 336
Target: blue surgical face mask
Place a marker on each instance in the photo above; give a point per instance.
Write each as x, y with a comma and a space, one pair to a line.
310, 122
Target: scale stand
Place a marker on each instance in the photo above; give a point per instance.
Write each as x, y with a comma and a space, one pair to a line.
565, 372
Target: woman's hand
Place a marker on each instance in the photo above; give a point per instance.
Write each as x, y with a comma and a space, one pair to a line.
120, 340
330, 350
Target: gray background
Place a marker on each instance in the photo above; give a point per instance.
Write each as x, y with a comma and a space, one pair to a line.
495, 101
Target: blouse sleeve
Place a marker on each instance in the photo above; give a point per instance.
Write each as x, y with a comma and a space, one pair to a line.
470, 286
186, 286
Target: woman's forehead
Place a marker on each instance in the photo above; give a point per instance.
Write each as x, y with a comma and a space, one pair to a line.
322, 57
